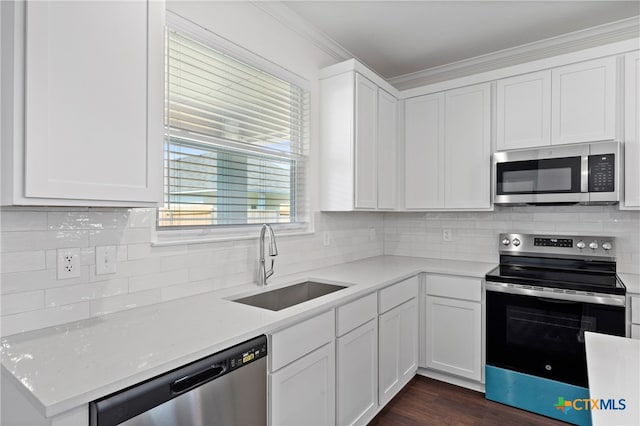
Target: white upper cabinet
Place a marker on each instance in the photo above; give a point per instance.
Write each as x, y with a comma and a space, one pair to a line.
467, 174
92, 110
569, 104
357, 144
366, 161
583, 101
448, 149
524, 111
387, 150
424, 152
632, 130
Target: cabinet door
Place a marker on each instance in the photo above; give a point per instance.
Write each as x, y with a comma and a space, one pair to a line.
357, 375
93, 103
632, 130
453, 336
583, 100
387, 147
398, 349
424, 152
524, 111
467, 171
303, 393
366, 162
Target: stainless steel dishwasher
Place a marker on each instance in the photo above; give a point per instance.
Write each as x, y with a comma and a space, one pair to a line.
226, 388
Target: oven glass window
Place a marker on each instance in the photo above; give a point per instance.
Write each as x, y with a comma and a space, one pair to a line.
555, 175
547, 330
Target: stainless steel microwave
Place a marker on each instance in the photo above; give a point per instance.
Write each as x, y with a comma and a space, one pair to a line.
587, 173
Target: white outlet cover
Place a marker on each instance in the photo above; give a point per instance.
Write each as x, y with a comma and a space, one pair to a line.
106, 260
326, 238
68, 263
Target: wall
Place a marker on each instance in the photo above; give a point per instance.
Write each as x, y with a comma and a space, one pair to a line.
475, 234
33, 298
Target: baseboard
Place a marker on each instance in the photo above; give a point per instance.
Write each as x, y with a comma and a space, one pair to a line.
453, 380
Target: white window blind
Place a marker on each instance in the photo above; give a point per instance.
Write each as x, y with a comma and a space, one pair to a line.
236, 141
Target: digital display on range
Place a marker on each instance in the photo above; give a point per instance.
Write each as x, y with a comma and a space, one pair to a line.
553, 242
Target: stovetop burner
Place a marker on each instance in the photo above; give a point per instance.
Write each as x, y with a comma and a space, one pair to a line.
580, 263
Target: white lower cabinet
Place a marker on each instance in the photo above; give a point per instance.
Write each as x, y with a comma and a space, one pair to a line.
455, 347
303, 393
301, 382
635, 316
357, 375
398, 349
453, 326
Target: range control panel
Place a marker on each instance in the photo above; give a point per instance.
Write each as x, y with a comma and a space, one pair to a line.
579, 245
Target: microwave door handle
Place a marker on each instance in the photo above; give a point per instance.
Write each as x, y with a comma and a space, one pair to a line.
584, 173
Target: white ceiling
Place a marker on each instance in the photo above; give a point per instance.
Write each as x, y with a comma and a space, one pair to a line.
395, 38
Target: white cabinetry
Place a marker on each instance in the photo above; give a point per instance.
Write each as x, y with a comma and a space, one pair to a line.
357, 150
424, 152
82, 116
569, 104
453, 326
357, 361
302, 373
583, 101
635, 316
524, 111
448, 149
398, 337
387, 150
632, 130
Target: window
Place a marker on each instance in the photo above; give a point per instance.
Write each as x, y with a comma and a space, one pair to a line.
236, 141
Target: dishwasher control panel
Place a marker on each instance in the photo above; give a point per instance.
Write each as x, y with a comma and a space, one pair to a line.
247, 356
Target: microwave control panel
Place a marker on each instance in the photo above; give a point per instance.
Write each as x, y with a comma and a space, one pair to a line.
601, 173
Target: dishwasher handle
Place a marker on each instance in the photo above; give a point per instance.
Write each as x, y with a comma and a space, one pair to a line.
188, 382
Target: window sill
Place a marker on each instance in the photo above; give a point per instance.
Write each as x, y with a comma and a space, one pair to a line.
204, 235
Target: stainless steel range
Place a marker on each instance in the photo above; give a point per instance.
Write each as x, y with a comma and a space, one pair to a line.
546, 292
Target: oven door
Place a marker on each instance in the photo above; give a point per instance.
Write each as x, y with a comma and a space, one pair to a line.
544, 337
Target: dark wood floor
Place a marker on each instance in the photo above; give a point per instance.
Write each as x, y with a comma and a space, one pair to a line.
426, 401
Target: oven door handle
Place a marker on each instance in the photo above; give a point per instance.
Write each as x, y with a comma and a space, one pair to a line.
595, 298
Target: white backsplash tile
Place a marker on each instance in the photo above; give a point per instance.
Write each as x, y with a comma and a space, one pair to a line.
33, 297
145, 274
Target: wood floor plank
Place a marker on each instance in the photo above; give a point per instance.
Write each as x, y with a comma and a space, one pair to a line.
426, 401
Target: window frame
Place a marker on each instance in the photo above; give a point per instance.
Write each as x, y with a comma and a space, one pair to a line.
172, 235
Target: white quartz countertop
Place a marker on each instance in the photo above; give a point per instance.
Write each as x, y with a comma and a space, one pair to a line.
613, 367
631, 282
63, 367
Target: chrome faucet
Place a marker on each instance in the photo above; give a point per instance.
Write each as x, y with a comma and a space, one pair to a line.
263, 274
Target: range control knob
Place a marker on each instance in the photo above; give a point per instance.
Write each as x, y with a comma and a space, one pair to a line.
593, 245
506, 242
607, 246
581, 245
516, 242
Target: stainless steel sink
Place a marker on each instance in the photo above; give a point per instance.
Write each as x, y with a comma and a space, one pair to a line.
285, 297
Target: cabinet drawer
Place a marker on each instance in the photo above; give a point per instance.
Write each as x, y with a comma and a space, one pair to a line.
292, 343
356, 313
397, 294
455, 287
635, 310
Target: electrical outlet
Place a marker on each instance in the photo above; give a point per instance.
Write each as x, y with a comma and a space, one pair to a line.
68, 265
326, 239
106, 257
372, 234
446, 235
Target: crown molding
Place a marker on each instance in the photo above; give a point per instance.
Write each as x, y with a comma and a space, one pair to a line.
302, 27
571, 42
